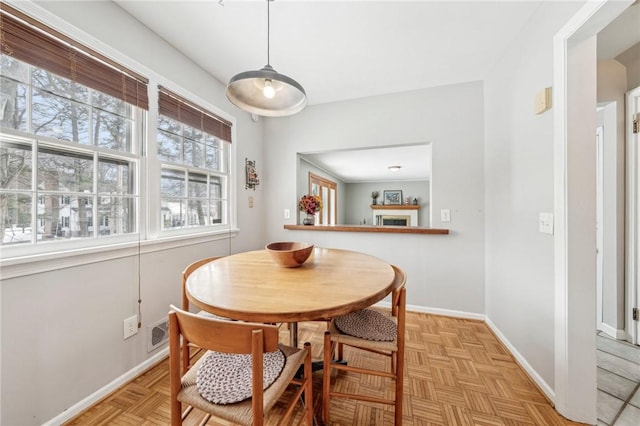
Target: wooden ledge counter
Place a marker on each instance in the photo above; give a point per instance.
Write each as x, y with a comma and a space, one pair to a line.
368, 228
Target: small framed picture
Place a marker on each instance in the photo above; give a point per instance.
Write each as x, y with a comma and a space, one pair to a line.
393, 197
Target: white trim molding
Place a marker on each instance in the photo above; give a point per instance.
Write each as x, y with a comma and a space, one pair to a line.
612, 332
46, 262
522, 361
574, 56
446, 312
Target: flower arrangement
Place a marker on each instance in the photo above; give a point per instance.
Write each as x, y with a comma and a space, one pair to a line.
310, 204
374, 197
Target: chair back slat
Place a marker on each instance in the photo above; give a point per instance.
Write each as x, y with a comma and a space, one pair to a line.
399, 281
223, 336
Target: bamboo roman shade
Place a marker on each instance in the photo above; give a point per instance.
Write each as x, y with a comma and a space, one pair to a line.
176, 107
29, 40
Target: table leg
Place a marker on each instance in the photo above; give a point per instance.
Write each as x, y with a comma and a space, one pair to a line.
293, 334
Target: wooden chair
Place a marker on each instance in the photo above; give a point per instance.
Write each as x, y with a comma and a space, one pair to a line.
185, 306
334, 339
235, 337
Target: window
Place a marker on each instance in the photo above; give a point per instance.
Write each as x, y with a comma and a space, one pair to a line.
193, 150
71, 146
327, 191
72, 129
68, 146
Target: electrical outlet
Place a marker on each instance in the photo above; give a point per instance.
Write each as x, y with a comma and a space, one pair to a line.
130, 326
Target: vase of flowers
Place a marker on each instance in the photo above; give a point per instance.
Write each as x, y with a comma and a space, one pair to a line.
374, 197
310, 205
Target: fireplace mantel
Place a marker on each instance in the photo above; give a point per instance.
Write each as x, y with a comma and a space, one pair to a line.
392, 213
394, 207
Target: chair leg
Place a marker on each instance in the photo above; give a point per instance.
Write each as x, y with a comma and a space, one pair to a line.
399, 390
326, 376
308, 383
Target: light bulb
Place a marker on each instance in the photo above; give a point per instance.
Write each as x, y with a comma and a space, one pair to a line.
268, 90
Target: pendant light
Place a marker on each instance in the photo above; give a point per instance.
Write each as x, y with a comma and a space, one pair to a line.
265, 91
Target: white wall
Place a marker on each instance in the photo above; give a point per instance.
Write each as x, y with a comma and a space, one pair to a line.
62, 330
519, 185
444, 271
630, 58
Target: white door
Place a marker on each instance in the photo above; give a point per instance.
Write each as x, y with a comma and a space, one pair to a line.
599, 227
633, 287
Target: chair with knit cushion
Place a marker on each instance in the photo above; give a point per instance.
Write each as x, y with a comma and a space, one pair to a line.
377, 330
242, 374
185, 304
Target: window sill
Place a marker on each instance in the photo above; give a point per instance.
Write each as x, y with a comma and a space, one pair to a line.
14, 267
369, 228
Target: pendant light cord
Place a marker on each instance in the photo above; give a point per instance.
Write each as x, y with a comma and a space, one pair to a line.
268, 32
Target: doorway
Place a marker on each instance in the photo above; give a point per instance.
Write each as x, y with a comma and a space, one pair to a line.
575, 98
610, 217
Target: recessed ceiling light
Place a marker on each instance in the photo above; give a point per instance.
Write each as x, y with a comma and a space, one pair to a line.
394, 168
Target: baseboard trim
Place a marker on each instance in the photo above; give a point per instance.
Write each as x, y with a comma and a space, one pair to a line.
612, 331
447, 312
438, 311
539, 381
106, 390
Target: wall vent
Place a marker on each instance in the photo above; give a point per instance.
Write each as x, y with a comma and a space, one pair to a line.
157, 334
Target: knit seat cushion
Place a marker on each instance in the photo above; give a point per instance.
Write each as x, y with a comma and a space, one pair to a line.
367, 324
224, 378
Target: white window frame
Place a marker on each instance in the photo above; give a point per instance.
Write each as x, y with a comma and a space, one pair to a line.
148, 238
11, 251
227, 177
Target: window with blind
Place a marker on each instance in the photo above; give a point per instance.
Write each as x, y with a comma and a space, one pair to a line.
193, 150
71, 126
72, 131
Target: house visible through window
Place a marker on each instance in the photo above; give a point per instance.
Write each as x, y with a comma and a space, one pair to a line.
193, 149
63, 146
73, 127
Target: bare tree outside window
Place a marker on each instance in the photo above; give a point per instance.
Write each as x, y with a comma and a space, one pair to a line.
65, 145
193, 176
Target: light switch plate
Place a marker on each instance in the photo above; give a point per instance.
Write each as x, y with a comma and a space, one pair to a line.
287, 213
542, 101
545, 223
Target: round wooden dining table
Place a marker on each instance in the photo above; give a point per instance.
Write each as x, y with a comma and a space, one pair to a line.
250, 286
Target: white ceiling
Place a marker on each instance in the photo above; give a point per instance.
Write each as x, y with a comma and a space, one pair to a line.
340, 50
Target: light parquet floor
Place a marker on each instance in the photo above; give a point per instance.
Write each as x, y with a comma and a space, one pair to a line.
457, 373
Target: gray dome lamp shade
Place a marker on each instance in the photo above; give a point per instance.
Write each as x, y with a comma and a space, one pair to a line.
266, 92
